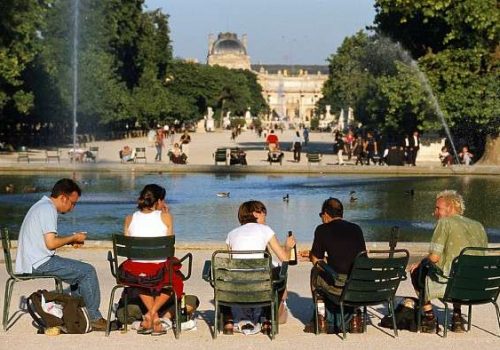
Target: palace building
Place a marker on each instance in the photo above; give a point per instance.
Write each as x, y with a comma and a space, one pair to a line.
290, 90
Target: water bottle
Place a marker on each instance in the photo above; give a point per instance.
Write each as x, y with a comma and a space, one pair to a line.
293, 253
184, 314
321, 308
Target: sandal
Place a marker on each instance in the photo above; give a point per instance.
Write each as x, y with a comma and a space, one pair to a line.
228, 328
145, 330
158, 329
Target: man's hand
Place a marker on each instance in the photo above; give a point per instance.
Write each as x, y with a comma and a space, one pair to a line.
414, 266
78, 239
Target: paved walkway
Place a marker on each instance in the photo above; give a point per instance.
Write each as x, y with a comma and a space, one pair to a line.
201, 159
22, 335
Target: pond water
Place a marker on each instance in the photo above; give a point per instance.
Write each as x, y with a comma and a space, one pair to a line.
200, 215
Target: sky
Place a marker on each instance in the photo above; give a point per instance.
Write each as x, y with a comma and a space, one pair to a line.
279, 31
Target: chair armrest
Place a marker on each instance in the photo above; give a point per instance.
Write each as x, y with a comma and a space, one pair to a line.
112, 261
189, 258
282, 276
322, 265
206, 274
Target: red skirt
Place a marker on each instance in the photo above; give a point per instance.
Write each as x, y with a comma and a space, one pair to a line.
142, 269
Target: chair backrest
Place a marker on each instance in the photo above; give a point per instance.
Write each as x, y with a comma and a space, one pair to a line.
143, 248
474, 276
94, 149
375, 276
242, 280
313, 157
220, 155
6, 251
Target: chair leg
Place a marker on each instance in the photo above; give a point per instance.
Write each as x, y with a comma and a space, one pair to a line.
9, 285
274, 321
216, 319
277, 305
365, 318
110, 308
421, 300
390, 305
343, 320
315, 314
469, 319
177, 330
498, 313
445, 326
59, 285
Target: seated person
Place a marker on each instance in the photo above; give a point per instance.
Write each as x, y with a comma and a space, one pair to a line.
136, 310
126, 154
337, 242
238, 156
78, 154
465, 156
272, 141
152, 220
176, 155
395, 156
445, 156
254, 234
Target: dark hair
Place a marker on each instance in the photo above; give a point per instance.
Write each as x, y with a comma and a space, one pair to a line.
66, 187
333, 207
149, 195
246, 210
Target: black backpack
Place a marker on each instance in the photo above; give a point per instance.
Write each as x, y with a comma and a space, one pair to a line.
75, 319
406, 315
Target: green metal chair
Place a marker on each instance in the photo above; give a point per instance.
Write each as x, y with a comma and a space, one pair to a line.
474, 279
240, 279
17, 277
145, 248
313, 158
220, 155
374, 279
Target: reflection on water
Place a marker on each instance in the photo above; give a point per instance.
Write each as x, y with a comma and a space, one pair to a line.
199, 215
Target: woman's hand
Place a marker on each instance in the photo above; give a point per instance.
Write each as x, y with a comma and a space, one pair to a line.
290, 242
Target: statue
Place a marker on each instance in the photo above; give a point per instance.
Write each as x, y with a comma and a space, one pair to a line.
226, 121
209, 122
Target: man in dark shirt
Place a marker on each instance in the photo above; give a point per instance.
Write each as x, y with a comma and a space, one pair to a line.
338, 241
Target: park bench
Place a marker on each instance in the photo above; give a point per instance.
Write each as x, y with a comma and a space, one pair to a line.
52, 154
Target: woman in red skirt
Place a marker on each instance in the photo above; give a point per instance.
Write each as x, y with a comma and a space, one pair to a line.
151, 220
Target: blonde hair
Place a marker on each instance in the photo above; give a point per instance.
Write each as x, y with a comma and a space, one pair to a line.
454, 199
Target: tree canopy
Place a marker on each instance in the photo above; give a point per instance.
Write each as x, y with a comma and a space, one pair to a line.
126, 73
446, 48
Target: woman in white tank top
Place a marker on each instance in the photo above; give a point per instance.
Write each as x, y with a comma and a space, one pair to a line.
151, 220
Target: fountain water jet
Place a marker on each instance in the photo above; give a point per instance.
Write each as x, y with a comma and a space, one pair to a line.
74, 64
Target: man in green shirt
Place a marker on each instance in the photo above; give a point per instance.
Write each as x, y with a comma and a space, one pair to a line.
453, 232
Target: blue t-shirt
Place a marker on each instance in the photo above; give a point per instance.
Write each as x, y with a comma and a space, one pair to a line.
31, 249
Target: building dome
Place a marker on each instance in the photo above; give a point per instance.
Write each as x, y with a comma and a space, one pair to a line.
228, 43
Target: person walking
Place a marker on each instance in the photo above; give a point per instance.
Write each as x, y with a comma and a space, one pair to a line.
297, 146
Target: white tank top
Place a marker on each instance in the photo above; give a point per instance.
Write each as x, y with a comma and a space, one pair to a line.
147, 225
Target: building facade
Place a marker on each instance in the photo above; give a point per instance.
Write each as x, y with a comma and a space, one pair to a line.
291, 91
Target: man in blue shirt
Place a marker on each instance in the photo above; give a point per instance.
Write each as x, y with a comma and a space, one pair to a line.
38, 241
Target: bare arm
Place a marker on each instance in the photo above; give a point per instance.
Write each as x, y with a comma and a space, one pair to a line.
128, 220
167, 219
313, 259
53, 241
282, 253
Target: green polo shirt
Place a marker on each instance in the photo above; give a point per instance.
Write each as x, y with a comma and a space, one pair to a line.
451, 235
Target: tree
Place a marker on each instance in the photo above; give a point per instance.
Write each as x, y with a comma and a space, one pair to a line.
457, 44
20, 24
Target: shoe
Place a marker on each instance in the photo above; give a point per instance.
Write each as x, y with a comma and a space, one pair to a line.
322, 325
356, 324
99, 325
457, 323
266, 328
429, 325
